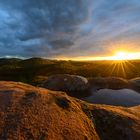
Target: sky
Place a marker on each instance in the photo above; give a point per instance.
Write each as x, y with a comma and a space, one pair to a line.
68, 28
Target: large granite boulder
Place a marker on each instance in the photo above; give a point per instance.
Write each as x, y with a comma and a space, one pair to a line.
31, 113
74, 85
109, 82
135, 84
122, 97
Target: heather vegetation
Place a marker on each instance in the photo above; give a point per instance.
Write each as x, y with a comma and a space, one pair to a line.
36, 70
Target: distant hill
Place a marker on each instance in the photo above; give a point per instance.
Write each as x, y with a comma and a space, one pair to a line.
10, 61
29, 70
35, 62
28, 112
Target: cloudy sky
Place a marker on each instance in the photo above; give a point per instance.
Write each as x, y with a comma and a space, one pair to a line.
68, 28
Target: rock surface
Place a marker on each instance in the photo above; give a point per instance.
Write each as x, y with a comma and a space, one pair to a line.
110, 83
116, 123
122, 97
135, 84
72, 84
27, 112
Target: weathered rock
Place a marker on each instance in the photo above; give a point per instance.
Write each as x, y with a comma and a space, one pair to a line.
122, 97
74, 85
110, 83
135, 84
116, 123
27, 112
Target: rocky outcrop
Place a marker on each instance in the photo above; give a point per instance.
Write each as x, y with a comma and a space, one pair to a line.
33, 113
116, 123
121, 97
78, 86
74, 85
108, 83
114, 83
135, 84
27, 112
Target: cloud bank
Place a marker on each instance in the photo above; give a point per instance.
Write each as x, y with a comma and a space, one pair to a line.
45, 28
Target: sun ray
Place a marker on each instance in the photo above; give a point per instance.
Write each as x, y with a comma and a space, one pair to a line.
113, 69
123, 69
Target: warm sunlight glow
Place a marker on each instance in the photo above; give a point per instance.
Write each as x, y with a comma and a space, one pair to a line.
123, 56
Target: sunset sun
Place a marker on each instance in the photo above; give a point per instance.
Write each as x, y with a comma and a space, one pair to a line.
118, 55
125, 56
122, 56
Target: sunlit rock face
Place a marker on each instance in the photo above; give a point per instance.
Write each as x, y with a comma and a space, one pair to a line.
109, 83
135, 84
30, 113
33, 113
122, 97
74, 85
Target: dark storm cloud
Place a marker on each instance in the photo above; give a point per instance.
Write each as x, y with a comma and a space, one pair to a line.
45, 17
65, 44
66, 27
33, 24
